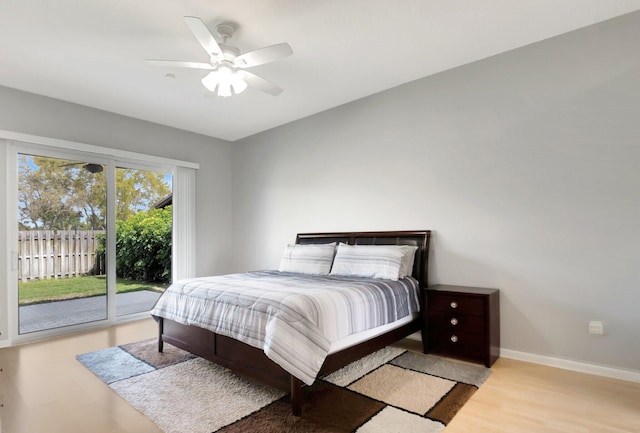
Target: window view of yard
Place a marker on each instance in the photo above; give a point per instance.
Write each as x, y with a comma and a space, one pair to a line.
62, 248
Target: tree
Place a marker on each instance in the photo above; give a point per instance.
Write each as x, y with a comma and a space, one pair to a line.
57, 194
47, 194
138, 190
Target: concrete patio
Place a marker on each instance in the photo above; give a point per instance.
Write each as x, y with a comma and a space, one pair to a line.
56, 314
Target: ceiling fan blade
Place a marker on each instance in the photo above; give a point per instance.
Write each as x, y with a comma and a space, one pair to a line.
89, 166
260, 83
203, 35
263, 55
179, 64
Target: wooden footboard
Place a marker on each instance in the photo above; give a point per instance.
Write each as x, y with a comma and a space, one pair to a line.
252, 362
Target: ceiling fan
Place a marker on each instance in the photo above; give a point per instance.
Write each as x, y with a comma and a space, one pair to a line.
227, 65
90, 167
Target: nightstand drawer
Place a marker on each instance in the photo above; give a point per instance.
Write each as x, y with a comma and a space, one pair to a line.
452, 321
456, 303
459, 341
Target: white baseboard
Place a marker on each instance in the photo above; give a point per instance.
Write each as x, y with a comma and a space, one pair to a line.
565, 364
581, 367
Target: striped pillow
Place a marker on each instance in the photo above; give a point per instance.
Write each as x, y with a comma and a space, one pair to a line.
372, 261
313, 259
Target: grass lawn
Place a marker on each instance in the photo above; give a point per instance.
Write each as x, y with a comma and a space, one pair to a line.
38, 291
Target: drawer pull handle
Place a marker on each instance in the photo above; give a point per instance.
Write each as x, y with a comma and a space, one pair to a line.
454, 304
454, 321
454, 338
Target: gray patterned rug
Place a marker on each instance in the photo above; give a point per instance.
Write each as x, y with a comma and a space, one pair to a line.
392, 390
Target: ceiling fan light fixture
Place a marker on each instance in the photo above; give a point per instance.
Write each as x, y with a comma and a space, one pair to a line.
224, 89
224, 72
238, 84
210, 81
222, 80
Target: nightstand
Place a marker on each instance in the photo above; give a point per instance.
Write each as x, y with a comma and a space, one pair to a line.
464, 322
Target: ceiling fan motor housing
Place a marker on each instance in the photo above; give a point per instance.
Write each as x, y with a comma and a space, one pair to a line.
229, 52
226, 31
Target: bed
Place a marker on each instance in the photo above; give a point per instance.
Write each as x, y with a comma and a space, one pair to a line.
250, 359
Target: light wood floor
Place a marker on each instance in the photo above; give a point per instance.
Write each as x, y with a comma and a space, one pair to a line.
44, 389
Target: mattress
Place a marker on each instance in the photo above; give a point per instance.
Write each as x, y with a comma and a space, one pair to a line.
296, 319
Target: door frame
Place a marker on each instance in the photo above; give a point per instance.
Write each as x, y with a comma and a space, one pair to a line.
110, 158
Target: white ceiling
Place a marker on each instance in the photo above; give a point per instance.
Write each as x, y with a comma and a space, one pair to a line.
92, 52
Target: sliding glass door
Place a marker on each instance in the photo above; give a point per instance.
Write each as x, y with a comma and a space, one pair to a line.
62, 225
144, 218
94, 240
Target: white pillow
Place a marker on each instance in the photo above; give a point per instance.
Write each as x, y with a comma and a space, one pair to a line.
308, 258
372, 261
406, 268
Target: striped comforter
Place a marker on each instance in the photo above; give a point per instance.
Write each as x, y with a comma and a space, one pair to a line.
294, 318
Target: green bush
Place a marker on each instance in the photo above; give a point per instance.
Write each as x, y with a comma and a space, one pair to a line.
143, 246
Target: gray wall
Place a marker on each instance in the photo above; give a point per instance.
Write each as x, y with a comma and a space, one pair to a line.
525, 166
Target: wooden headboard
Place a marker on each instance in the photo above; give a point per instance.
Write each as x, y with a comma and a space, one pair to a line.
419, 238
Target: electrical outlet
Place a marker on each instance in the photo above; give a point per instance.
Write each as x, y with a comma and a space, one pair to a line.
596, 327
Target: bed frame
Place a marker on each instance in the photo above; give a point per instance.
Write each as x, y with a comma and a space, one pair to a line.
252, 362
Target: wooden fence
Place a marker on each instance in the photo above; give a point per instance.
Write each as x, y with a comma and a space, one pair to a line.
45, 254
